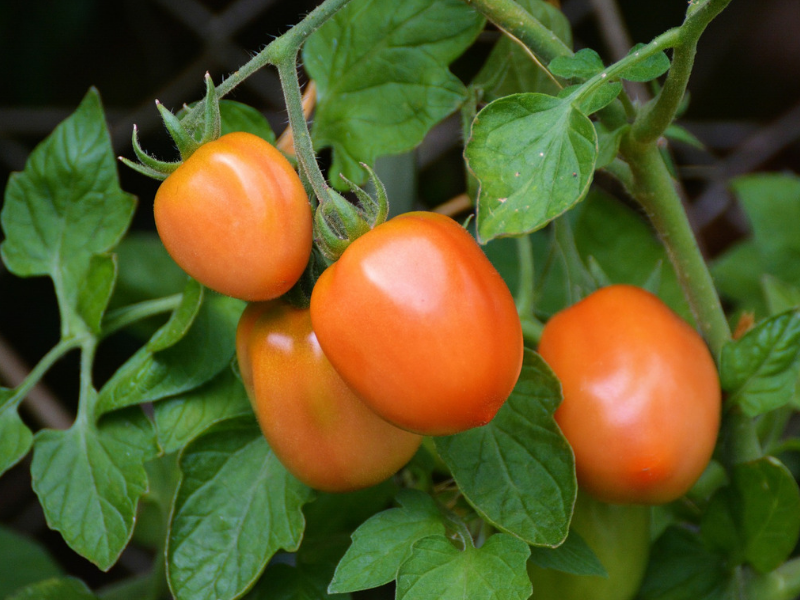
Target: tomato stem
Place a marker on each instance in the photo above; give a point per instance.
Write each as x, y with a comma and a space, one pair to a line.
781, 584
654, 189
524, 296
126, 315
304, 150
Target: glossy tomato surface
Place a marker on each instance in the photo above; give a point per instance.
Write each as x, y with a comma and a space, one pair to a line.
420, 325
320, 431
235, 217
641, 402
619, 536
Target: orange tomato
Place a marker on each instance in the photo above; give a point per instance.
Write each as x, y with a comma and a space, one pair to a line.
235, 217
316, 426
420, 325
642, 398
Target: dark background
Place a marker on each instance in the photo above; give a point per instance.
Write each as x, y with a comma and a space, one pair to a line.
745, 106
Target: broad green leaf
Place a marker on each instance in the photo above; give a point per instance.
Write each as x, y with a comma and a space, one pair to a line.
607, 143
757, 518
65, 210
597, 99
510, 69
681, 568
648, 69
15, 437
23, 562
780, 296
534, 157
89, 481
204, 351
241, 117
382, 76
182, 418
235, 507
625, 247
146, 271
181, 319
772, 205
384, 542
332, 518
583, 64
573, 556
760, 370
57, 588
518, 470
284, 582
436, 569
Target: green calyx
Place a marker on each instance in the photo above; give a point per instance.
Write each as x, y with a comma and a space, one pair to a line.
186, 138
338, 222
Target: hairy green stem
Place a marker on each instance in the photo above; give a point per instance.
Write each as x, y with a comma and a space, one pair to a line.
739, 438
531, 331
122, 317
660, 112
511, 17
47, 361
654, 189
303, 147
277, 51
88, 396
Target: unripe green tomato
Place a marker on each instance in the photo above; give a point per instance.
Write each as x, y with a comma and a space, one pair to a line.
619, 534
321, 432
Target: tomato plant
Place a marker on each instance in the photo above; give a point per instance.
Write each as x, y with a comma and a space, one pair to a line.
235, 217
420, 325
417, 195
619, 536
641, 403
318, 428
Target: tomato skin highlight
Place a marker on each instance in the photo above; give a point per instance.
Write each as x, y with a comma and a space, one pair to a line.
420, 325
235, 217
642, 398
320, 431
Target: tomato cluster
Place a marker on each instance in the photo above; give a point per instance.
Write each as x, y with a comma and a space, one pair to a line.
420, 330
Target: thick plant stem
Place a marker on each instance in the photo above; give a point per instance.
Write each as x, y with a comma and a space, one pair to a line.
511, 17
303, 147
659, 114
654, 189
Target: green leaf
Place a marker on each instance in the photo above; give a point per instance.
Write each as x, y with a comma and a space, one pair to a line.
146, 271
680, 134
204, 351
780, 296
583, 64
597, 99
235, 507
15, 437
181, 319
59, 588
510, 70
384, 542
681, 568
382, 76
437, 569
518, 470
648, 69
760, 370
284, 582
757, 518
89, 481
608, 143
241, 117
772, 205
64, 210
181, 419
24, 562
573, 556
534, 157
624, 245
